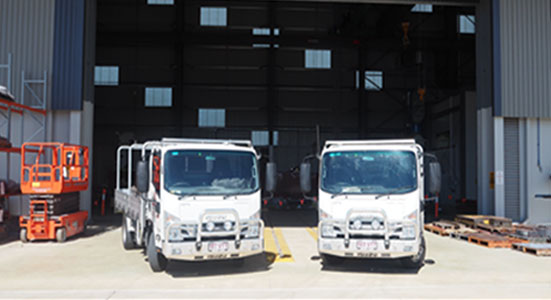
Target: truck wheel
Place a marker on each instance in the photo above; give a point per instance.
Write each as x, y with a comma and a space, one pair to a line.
157, 261
61, 235
329, 260
23, 235
127, 236
416, 261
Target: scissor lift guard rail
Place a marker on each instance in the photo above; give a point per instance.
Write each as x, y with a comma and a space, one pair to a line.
52, 174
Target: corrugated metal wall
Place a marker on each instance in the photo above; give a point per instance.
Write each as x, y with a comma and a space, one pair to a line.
68, 63
26, 31
525, 32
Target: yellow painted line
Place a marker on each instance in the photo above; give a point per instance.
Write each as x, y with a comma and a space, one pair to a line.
313, 232
270, 246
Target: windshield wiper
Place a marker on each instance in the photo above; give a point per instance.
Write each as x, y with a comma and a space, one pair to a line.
337, 194
182, 196
392, 191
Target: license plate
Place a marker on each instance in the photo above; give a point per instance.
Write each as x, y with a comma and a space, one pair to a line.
218, 246
366, 245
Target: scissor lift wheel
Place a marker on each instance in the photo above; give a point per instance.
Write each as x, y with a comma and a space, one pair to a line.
61, 234
23, 235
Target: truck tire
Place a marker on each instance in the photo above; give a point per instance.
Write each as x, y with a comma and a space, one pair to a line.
61, 235
331, 260
418, 260
23, 235
157, 261
127, 237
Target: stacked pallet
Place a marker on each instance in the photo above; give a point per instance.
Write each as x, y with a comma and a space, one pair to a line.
496, 232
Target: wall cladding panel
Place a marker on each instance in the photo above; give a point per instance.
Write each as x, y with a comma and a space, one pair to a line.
27, 32
525, 33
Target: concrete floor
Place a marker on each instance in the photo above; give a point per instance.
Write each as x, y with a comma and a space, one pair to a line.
96, 266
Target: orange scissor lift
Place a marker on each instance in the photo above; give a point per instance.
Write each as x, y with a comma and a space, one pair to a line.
53, 174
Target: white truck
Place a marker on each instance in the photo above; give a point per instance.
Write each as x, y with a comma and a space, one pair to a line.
194, 200
371, 200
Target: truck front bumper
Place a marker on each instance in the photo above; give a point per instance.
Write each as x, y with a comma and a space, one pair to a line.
213, 250
368, 248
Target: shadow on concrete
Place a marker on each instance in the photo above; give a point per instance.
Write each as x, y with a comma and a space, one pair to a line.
101, 224
254, 264
378, 266
291, 218
96, 226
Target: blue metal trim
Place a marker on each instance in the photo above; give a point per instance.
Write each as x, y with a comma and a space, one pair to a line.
496, 57
68, 60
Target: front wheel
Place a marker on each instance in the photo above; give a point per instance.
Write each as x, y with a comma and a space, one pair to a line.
416, 261
127, 236
157, 261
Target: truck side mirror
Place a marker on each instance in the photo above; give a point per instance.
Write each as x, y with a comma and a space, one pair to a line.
271, 177
305, 178
435, 177
142, 176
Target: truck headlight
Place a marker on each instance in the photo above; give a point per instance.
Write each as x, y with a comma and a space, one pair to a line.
376, 224
357, 225
210, 226
228, 226
175, 234
253, 231
408, 231
327, 231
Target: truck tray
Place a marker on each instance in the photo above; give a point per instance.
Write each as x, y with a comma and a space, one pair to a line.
128, 202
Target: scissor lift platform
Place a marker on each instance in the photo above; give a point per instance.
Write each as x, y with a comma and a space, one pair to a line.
52, 174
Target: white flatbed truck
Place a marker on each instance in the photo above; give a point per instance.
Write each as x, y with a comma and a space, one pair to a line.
194, 200
371, 200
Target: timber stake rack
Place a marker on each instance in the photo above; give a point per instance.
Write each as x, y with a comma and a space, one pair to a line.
53, 174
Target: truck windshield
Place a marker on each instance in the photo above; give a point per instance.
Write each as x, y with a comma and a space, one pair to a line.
369, 172
193, 172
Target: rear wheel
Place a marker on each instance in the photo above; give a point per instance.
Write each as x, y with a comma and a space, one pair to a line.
417, 260
157, 261
23, 235
329, 260
61, 235
127, 236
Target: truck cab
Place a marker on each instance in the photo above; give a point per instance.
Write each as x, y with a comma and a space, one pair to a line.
195, 200
371, 200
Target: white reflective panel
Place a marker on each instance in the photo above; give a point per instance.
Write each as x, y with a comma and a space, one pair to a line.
213, 16
374, 80
160, 2
424, 8
467, 24
261, 45
158, 97
106, 75
261, 31
317, 59
262, 138
212, 117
